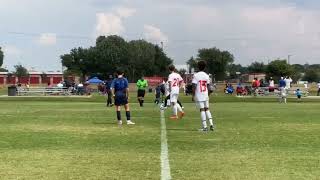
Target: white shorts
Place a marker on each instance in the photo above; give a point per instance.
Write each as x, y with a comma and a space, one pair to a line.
174, 98
202, 104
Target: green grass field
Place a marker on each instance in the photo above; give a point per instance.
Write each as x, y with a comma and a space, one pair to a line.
59, 139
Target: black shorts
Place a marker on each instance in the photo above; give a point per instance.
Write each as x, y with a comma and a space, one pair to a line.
120, 99
141, 92
299, 96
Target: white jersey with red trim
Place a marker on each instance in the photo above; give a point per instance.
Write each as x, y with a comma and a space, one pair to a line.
201, 79
175, 80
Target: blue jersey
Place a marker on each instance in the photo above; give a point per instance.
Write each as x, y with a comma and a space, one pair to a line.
108, 84
282, 83
120, 85
298, 93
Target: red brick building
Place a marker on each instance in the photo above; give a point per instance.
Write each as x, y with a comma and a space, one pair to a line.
34, 78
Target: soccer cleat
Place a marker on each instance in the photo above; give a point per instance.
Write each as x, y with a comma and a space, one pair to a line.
181, 115
174, 117
203, 130
130, 122
120, 122
211, 128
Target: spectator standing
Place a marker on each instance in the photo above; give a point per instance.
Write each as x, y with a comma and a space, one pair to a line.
108, 91
271, 85
318, 89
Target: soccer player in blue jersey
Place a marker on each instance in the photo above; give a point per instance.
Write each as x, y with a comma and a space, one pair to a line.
120, 92
283, 91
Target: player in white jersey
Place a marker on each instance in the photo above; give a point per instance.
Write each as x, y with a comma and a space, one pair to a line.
200, 94
175, 81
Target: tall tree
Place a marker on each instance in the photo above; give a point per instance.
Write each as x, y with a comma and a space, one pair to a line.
279, 68
257, 67
217, 61
20, 72
312, 75
192, 64
111, 53
1, 57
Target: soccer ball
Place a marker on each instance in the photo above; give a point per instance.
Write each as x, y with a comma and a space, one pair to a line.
162, 108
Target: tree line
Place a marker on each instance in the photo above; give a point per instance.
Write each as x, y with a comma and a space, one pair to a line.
141, 58
221, 66
137, 58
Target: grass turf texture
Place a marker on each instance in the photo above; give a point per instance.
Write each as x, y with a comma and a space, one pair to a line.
80, 140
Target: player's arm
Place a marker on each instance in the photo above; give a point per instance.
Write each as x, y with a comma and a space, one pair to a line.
127, 93
169, 86
127, 88
194, 87
112, 88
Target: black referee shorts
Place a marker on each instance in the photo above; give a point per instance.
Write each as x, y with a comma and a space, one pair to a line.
141, 92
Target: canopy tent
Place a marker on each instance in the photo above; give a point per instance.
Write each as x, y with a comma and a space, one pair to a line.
94, 80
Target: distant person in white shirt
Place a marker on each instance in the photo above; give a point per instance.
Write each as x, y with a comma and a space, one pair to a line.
318, 89
201, 90
175, 81
60, 85
271, 85
288, 81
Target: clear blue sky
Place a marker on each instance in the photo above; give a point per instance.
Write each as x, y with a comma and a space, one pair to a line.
36, 32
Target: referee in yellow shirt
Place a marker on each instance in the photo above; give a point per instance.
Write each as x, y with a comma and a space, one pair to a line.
142, 84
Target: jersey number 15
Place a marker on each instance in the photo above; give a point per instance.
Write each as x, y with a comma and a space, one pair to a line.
203, 86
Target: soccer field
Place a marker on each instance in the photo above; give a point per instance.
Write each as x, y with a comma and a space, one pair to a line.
80, 140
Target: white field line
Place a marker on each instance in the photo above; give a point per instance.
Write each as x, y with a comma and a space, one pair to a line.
165, 165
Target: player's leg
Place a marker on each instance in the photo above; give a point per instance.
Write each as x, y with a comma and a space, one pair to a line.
128, 114
208, 114
166, 101
180, 104
118, 111
143, 93
203, 116
179, 108
173, 99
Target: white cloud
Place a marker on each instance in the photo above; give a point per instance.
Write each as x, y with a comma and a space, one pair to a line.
109, 24
154, 34
48, 39
112, 23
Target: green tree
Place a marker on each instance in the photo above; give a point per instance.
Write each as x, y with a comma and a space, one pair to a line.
137, 57
80, 61
257, 67
20, 71
279, 68
217, 61
192, 64
111, 53
3, 70
233, 69
1, 57
312, 75
141, 59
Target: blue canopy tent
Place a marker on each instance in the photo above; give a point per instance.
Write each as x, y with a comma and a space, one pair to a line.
94, 80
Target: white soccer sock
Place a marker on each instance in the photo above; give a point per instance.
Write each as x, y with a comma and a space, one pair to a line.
285, 100
179, 107
209, 116
204, 119
174, 109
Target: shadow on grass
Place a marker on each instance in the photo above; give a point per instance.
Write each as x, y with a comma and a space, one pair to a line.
109, 123
186, 130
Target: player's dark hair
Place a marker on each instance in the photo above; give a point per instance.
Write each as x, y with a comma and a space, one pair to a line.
119, 71
172, 68
201, 65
